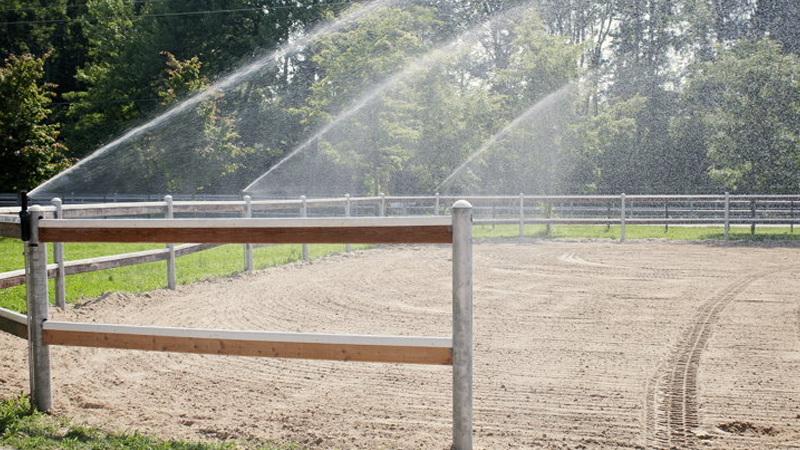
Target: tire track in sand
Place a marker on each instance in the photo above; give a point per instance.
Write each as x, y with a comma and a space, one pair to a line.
671, 409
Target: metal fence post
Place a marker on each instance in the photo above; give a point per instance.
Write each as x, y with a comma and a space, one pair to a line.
753, 215
791, 216
727, 214
383, 205
462, 325
666, 216
58, 256
248, 248
622, 218
521, 214
347, 212
171, 279
38, 352
304, 213
548, 210
436, 205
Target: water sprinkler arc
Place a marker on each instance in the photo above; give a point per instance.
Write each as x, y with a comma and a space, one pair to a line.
414, 67
224, 83
506, 130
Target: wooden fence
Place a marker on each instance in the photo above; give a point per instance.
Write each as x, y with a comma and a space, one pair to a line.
455, 350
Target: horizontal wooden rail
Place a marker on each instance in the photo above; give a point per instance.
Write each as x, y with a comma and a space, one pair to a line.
14, 323
387, 349
17, 277
373, 230
9, 226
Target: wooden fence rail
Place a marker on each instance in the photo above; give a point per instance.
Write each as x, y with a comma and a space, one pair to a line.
14, 323
41, 333
389, 349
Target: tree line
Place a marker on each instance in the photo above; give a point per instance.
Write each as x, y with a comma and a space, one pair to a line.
675, 96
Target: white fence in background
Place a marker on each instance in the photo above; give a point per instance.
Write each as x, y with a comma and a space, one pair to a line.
521, 210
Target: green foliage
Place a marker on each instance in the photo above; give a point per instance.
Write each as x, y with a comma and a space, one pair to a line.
677, 96
361, 55
749, 101
29, 149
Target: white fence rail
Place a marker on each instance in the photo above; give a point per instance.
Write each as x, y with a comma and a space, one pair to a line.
521, 210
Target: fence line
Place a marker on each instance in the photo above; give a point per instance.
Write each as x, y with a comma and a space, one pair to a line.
520, 209
456, 351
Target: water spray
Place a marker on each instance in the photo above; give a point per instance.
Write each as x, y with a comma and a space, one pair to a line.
414, 67
224, 83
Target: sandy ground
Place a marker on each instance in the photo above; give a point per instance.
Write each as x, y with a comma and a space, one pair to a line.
583, 345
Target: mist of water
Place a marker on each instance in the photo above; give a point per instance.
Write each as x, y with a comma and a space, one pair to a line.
235, 78
412, 68
543, 111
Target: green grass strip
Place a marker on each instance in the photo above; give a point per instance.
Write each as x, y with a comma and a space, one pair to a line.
221, 261
21, 428
678, 233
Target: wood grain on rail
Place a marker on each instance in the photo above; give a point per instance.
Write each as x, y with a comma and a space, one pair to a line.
239, 347
416, 234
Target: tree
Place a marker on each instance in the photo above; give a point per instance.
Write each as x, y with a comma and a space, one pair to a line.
748, 99
208, 160
780, 21
29, 149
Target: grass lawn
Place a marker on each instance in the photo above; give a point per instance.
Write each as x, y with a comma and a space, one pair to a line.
637, 232
23, 429
220, 261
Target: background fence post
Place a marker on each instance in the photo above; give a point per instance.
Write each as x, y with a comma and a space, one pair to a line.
622, 218
436, 205
548, 210
727, 215
58, 256
753, 215
791, 216
666, 216
304, 213
248, 248
521, 214
347, 213
38, 352
171, 279
382, 211
462, 325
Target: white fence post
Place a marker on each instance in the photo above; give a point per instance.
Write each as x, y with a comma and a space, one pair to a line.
383, 205
58, 256
171, 279
521, 214
347, 205
727, 215
622, 218
248, 248
38, 352
462, 325
436, 205
304, 213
